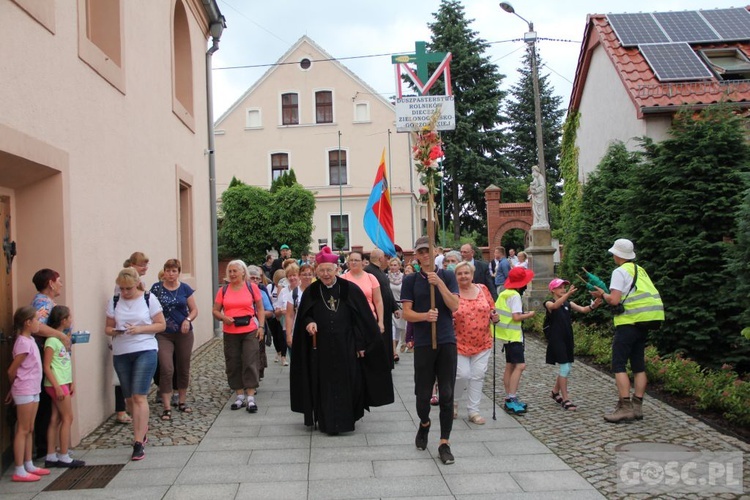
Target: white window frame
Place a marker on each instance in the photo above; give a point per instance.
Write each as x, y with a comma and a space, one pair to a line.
315, 107
366, 104
270, 162
281, 109
348, 216
347, 168
248, 125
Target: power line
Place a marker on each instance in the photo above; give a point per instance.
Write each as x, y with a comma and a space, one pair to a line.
385, 54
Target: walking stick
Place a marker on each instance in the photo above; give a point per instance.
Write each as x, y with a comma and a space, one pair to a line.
494, 373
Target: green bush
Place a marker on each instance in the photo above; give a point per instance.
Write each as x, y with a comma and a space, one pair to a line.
736, 402
721, 390
683, 376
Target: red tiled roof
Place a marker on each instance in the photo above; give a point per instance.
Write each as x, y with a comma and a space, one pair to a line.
647, 93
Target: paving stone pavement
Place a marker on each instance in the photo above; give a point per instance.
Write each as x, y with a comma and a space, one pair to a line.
583, 439
207, 396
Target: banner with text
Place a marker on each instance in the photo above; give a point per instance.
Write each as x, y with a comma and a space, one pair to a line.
413, 113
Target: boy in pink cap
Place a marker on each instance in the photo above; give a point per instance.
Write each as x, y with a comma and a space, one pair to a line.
558, 328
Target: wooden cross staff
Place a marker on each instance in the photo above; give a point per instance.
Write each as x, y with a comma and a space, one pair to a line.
431, 238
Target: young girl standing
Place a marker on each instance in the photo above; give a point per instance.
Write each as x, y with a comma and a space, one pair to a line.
25, 375
560, 336
58, 382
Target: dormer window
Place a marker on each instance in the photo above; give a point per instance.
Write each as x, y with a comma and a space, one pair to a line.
728, 64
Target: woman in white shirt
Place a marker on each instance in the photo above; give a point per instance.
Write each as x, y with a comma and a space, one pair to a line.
134, 317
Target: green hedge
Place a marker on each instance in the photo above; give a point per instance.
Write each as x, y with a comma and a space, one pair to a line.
720, 390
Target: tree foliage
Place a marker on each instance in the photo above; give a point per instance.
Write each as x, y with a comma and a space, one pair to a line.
255, 220
286, 179
739, 263
473, 151
598, 222
682, 213
521, 112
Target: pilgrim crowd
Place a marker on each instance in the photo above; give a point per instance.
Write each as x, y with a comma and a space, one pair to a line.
340, 324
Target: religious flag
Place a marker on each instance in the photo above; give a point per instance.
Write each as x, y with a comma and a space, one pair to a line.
378, 213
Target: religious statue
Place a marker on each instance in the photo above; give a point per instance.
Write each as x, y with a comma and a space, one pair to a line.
538, 197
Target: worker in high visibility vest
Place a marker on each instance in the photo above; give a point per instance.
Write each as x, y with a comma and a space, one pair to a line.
640, 306
509, 308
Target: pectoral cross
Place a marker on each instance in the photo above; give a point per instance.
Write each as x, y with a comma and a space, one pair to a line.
331, 303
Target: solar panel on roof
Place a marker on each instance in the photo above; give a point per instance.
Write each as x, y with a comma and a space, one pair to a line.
730, 24
633, 29
686, 26
674, 61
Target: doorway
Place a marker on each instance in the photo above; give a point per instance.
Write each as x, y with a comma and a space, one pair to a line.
7, 416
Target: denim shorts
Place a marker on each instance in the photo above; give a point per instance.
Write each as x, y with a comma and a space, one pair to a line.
135, 371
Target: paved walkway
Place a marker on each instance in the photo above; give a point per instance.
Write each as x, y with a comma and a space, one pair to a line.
218, 453
273, 455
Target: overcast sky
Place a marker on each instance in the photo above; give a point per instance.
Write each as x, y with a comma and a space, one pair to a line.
259, 32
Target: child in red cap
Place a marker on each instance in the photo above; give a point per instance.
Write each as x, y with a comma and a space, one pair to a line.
510, 312
558, 328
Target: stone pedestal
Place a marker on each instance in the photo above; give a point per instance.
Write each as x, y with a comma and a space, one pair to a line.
543, 265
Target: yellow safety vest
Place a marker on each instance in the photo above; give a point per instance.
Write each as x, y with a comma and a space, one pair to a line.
644, 303
507, 329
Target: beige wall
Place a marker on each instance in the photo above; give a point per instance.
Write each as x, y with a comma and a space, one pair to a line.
98, 170
245, 152
608, 114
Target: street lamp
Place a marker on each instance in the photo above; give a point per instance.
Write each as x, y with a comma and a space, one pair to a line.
530, 39
541, 238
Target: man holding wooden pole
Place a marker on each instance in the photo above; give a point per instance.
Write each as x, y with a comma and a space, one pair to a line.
432, 360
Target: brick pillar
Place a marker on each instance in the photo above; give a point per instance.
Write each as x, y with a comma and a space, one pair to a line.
492, 197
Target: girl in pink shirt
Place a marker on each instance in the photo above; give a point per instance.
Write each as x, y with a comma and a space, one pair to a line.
25, 375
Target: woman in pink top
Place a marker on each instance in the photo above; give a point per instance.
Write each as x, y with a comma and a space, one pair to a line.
25, 375
369, 285
239, 306
473, 341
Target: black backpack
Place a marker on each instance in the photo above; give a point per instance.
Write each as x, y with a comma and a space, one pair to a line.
146, 297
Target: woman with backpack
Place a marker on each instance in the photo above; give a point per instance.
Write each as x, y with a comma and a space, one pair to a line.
134, 317
239, 306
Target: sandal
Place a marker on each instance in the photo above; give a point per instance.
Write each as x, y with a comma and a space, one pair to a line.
476, 418
166, 415
396, 359
568, 405
124, 419
556, 396
184, 408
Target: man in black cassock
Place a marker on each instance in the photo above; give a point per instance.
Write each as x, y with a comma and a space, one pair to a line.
340, 366
377, 266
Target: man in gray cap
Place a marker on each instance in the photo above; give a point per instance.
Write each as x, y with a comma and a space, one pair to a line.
637, 308
429, 363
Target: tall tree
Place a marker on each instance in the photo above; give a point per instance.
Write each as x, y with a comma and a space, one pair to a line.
473, 151
682, 214
520, 111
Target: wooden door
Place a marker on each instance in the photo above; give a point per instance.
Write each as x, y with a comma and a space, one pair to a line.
6, 333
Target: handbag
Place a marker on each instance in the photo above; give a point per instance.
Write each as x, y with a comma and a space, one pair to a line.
242, 320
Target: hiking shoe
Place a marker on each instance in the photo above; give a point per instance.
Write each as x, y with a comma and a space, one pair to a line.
623, 412
138, 451
523, 405
444, 450
421, 439
637, 407
512, 406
